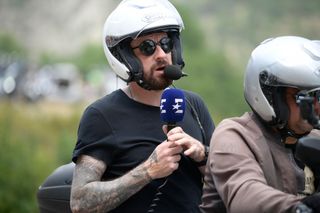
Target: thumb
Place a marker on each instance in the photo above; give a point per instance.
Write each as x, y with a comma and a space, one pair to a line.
165, 129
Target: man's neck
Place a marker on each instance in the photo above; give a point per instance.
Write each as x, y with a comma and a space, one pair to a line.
290, 140
137, 93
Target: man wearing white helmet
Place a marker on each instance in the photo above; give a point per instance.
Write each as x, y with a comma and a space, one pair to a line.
251, 165
125, 160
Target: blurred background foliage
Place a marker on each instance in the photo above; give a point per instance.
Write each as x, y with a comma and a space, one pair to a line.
37, 137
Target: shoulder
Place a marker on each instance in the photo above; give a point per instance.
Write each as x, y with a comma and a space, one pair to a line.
244, 126
105, 101
232, 130
246, 121
103, 106
192, 95
114, 100
194, 99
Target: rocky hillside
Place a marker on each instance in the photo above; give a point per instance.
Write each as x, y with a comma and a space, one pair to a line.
54, 25
235, 27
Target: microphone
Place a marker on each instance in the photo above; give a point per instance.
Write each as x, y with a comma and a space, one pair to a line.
173, 72
172, 107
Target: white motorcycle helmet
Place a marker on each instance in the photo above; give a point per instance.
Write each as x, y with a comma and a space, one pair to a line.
287, 61
133, 18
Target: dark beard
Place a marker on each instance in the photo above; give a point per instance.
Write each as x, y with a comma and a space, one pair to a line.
157, 84
150, 82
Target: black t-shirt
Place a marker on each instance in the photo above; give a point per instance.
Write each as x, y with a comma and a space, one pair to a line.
123, 133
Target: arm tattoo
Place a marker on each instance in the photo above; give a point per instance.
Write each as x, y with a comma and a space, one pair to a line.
154, 157
90, 194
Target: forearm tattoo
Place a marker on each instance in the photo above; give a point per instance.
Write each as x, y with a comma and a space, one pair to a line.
153, 157
89, 194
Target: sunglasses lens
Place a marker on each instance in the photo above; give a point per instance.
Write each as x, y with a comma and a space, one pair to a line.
166, 44
148, 47
314, 95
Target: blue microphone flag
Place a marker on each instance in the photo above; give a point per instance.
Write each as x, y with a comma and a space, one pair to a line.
172, 105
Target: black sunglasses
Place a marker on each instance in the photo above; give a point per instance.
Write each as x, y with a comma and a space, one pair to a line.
148, 47
310, 95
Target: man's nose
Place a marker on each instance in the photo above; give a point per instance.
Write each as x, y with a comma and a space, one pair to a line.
159, 52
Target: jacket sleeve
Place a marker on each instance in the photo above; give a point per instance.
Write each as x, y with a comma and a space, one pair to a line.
239, 178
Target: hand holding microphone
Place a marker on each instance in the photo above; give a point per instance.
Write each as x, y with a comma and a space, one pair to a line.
165, 158
172, 108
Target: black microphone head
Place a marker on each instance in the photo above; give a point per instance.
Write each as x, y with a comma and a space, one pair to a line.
172, 105
173, 72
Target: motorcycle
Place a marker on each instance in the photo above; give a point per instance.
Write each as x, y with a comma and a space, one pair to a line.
54, 194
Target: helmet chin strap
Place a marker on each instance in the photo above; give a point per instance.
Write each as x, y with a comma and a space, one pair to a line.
286, 132
144, 85
171, 73
148, 86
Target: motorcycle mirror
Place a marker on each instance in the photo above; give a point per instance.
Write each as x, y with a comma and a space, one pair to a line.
308, 151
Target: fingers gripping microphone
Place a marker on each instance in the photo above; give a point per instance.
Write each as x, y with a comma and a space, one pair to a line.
173, 72
172, 107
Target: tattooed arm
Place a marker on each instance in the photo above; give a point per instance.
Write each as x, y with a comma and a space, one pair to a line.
90, 194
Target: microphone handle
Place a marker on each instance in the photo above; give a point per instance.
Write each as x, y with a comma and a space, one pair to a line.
171, 125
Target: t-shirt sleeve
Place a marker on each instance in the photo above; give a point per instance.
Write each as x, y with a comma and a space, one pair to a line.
95, 137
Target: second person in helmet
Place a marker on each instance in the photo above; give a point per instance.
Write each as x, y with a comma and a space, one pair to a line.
251, 162
125, 161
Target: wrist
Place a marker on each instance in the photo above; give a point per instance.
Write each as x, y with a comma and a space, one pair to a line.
205, 154
147, 167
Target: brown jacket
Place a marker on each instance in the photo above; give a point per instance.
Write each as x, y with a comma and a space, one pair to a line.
251, 169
